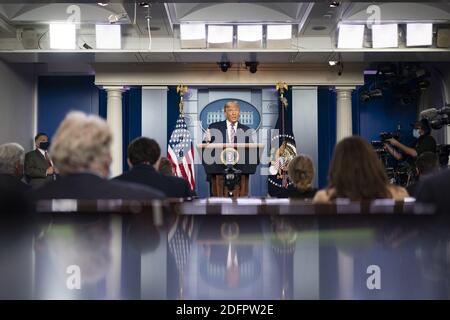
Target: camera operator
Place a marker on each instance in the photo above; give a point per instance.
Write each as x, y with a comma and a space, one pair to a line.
427, 164
425, 142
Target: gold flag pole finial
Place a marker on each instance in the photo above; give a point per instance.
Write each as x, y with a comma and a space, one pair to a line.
181, 90
281, 88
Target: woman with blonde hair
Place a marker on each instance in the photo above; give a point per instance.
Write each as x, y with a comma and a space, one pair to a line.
301, 173
357, 174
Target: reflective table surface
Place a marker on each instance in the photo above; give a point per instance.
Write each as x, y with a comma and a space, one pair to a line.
176, 252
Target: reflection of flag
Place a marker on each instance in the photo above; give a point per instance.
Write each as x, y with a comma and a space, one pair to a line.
181, 152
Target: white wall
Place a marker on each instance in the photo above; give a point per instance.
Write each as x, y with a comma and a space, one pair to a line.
16, 104
305, 124
154, 115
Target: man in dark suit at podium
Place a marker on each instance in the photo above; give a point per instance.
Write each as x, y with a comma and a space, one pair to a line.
229, 130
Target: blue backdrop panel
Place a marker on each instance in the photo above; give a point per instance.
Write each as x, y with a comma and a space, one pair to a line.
327, 131
58, 95
385, 113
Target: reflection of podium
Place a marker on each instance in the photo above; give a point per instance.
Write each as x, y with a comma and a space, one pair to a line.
229, 166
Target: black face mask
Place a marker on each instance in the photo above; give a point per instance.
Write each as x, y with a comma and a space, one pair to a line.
44, 145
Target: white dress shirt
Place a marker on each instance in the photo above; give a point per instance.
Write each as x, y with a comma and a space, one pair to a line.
43, 154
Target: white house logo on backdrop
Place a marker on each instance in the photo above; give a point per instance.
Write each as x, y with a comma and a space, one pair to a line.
213, 112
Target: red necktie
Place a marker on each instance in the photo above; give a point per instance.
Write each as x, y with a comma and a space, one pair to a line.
233, 133
48, 159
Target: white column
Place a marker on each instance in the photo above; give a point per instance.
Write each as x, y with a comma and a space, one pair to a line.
114, 119
343, 112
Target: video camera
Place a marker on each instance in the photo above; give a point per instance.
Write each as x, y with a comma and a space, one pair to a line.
389, 135
443, 152
437, 117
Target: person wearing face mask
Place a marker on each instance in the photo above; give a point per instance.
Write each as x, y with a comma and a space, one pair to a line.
38, 166
425, 142
81, 150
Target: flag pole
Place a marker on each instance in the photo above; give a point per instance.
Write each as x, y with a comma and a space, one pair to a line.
181, 90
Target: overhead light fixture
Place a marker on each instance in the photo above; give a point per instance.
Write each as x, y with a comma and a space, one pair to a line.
385, 36
333, 62
220, 36
351, 36
334, 4
102, 4
224, 66
63, 36
279, 36
249, 36
252, 66
193, 36
419, 34
108, 36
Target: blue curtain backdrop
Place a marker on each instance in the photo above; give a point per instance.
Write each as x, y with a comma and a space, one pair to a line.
327, 131
58, 95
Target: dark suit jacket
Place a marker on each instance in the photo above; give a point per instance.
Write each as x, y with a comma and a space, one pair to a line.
13, 196
172, 187
221, 126
12, 184
35, 167
435, 189
87, 186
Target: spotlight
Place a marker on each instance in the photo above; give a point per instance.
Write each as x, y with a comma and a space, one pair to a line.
334, 4
333, 63
144, 4
224, 66
252, 66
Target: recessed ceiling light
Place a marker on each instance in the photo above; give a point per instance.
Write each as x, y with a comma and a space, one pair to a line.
102, 4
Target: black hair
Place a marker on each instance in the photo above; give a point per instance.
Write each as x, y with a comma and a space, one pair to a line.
143, 150
40, 134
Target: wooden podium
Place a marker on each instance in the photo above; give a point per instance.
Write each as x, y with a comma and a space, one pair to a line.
224, 160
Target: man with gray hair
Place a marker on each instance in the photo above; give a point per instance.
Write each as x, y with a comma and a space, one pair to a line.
81, 150
12, 156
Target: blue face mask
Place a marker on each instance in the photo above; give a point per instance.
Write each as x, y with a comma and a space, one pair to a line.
416, 133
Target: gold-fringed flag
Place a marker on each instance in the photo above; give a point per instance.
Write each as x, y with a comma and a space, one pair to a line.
180, 150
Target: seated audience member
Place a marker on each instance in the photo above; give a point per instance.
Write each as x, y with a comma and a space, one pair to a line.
435, 189
13, 192
301, 173
427, 163
165, 167
11, 167
81, 151
357, 174
143, 158
38, 164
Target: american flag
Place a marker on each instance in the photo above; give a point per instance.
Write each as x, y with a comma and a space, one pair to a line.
181, 152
